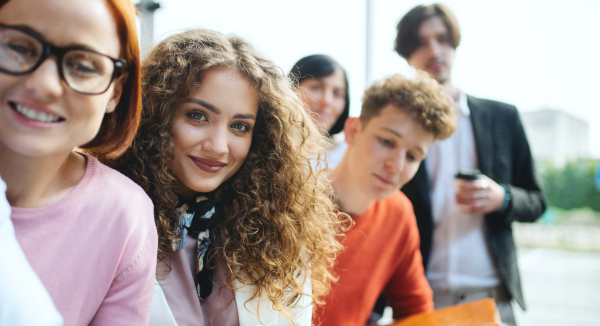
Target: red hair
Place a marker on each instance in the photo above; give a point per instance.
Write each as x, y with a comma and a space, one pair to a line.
119, 127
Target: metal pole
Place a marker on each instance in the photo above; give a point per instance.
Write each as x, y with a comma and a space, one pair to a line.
147, 9
368, 41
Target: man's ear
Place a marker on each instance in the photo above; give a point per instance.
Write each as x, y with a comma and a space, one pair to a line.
351, 127
117, 91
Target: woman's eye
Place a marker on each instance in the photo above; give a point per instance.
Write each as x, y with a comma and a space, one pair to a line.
22, 49
83, 68
197, 115
241, 127
83, 64
339, 93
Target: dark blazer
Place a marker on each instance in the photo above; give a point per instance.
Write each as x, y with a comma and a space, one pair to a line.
504, 156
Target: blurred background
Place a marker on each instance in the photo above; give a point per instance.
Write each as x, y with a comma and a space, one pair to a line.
542, 56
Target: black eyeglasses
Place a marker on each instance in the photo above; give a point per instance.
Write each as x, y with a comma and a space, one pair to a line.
83, 70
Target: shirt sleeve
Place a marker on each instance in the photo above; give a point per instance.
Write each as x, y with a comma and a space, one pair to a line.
129, 297
527, 203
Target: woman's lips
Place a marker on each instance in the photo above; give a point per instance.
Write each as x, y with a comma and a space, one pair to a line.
208, 165
35, 116
322, 115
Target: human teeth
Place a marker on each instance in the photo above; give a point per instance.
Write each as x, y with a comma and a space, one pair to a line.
35, 115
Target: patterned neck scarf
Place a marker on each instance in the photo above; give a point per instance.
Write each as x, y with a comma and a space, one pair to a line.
197, 218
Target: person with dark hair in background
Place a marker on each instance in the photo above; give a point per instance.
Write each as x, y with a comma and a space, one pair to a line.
323, 86
466, 236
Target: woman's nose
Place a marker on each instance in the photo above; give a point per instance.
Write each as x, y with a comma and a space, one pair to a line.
216, 142
327, 98
44, 82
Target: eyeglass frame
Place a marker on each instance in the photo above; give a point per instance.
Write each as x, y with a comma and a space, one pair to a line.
48, 49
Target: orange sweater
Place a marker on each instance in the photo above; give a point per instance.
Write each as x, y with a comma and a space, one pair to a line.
381, 256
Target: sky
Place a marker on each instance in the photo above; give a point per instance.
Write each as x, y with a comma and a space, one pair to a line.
531, 53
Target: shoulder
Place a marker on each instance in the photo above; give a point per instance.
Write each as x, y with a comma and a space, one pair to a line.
400, 228
117, 185
127, 214
479, 103
395, 210
117, 197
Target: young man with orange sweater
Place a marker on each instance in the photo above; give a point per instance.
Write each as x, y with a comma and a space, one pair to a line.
400, 118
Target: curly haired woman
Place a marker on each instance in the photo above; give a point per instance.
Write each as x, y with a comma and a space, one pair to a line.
245, 226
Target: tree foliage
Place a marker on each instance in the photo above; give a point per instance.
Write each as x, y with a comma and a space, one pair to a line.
572, 186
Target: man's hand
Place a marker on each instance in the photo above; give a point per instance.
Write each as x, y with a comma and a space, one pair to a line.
481, 196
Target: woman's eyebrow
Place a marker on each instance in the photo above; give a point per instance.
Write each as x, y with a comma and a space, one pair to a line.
244, 116
205, 104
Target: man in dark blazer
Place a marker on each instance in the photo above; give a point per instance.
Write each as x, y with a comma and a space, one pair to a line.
466, 235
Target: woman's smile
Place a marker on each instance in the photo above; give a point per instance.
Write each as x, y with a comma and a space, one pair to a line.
34, 116
212, 129
208, 165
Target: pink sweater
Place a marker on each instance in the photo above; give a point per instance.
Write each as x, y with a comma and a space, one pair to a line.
94, 249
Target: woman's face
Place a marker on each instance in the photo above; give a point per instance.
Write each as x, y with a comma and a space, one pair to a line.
326, 97
213, 129
39, 114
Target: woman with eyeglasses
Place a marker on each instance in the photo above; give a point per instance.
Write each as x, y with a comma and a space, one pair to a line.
70, 92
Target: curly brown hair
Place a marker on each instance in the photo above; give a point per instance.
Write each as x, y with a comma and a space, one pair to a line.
420, 96
277, 221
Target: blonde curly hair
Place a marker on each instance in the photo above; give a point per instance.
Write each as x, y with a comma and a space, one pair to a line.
277, 221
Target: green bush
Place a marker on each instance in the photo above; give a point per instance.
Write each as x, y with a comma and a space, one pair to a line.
572, 186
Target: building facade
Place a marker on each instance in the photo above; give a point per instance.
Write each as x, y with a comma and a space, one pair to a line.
555, 137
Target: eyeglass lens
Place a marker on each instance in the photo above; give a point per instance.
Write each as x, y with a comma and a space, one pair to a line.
83, 70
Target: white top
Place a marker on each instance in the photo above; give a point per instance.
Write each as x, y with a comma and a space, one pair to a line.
23, 300
256, 312
175, 301
460, 256
337, 151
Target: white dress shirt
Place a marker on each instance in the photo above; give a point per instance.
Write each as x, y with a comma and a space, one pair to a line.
460, 256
